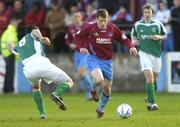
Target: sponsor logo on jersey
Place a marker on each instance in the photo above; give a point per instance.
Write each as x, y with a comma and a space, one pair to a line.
144, 36
141, 30
103, 41
110, 34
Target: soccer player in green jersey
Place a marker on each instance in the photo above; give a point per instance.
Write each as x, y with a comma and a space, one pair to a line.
37, 67
148, 34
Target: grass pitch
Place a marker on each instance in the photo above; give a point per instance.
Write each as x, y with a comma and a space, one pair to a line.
20, 111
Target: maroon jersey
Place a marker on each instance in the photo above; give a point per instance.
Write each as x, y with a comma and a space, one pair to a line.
70, 37
100, 42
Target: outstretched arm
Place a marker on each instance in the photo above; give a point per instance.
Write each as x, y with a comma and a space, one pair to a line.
158, 37
39, 37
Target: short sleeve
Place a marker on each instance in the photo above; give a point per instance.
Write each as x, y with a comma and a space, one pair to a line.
134, 32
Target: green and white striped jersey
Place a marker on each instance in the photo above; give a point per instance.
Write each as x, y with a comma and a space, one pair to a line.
29, 46
143, 31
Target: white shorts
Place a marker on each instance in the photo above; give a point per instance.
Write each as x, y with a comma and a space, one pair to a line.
42, 68
149, 62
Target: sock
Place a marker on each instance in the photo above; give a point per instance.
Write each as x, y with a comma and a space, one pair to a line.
84, 85
89, 80
103, 101
150, 92
155, 86
39, 101
86, 88
62, 88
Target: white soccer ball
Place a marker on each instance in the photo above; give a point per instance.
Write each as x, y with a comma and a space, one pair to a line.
124, 111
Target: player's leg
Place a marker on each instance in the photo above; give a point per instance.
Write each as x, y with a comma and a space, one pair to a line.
52, 73
98, 80
156, 65
96, 74
104, 97
150, 90
38, 98
150, 87
146, 62
156, 69
106, 86
81, 66
63, 82
85, 81
97, 77
155, 80
96, 71
32, 74
62, 87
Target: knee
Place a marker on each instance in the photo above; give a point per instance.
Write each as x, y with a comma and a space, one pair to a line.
81, 72
149, 78
35, 88
98, 80
36, 85
70, 81
107, 90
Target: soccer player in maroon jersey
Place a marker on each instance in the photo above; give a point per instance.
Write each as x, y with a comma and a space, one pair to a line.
99, 44
80, 60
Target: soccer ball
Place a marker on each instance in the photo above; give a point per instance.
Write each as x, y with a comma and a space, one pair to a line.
124, 111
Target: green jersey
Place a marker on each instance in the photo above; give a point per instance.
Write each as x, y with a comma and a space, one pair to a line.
143, 31
29, 46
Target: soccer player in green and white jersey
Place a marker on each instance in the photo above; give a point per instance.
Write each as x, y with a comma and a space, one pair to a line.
37, 66
148, 34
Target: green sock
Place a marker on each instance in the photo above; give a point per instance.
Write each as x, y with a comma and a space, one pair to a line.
62, 88
155, 86
150, 92
39, 101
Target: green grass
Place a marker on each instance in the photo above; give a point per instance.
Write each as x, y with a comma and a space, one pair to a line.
20, 111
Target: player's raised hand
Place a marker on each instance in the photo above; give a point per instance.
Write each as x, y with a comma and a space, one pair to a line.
46, 40
133, 51
84, 51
